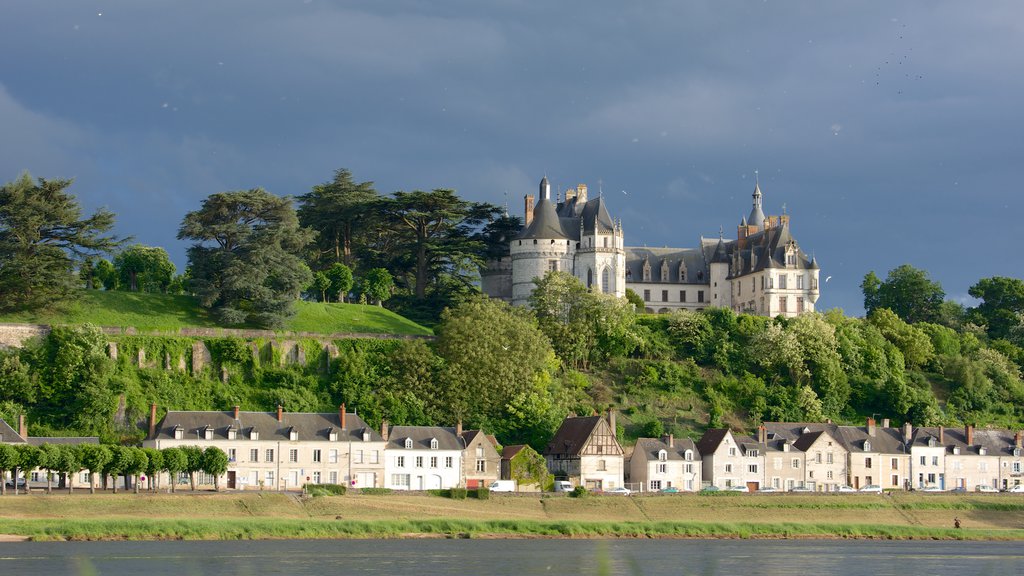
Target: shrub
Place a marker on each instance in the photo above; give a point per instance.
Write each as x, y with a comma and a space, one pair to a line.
324, 489
457, 494
579, 492
482, 493
375, 491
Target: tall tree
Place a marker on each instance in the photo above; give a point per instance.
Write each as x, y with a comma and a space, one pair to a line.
907, 291
175, 462
377, 286
1002, 304
215, 463
341, 211
94, 458
340, 276
42, 237
144, 269
245, 264
438, 230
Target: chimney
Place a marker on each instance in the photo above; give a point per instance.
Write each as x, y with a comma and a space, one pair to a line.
762, 434
280, 413
22, 427
908, 431
1017, 438
942, 435
885, 422
528, 209
384, 430
611, 421
341, 416
669, 439
871, 426
458, 427
236, 411
969, 434
152, 420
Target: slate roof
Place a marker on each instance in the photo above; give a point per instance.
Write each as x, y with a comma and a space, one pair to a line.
595, 215
572, 436
546, 224
72, 440
691, 258
509, 452
9, 435
711, 439
649, 448
885, 440
421, 436
308, 425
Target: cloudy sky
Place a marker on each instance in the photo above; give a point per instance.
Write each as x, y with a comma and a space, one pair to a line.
891, 132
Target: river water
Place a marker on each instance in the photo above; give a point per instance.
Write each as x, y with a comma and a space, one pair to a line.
514, 557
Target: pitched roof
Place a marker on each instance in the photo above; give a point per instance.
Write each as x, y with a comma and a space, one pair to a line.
572, 436
510, 452
649, 448
421, 437
308, 425
545, 225
885, 440
690, 258
9, 435
711, 439
72, 440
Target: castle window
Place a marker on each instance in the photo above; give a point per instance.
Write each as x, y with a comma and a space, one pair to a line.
604, 280
700, 276
682, 295
629, 273
605, 241
647, 271
782, 305
590, 278
553, 265
799, 305
682, 272
791, 259
782, 281
800, 282
664, 270
647, 295
700, 295
664, 295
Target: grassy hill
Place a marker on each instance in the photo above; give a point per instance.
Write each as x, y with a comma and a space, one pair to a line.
166, 312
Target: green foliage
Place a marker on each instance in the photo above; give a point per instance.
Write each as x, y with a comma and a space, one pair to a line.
243, 262
344, 214
324, 489
457, 493
341, 281
377, 285
528, 467
42, 238
635, 299
580, 492
482, 493
907, 291
1001, 307
144, 268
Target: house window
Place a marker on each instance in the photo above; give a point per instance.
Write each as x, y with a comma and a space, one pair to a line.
700, 295
776, 483
479, 451
448, 462
829, 459
332, 436
433, 443
867, 462
682, 295
400, 480
924, 460
316, 477
732, 451
896, 480
689, 468
752, 468
316, 456
293, 455
754, 453
655, 485
935, 460
481, 466
602, 466
333, 477
332, 456
828, 474
662, 468
817, 457
728, 468
1016, 467
777, 463
400, 462
796, 463
269, 478
647, 295
374, 457
408, 443
419, 461
269, 455
254, 455
357, 456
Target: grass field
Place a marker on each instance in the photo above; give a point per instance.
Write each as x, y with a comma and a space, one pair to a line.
166, 312
272, 515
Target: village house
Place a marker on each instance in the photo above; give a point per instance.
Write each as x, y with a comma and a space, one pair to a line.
481, 464
422, 457
824, 455
972, 458
278, 451
662, 463
783, 465
518, 462
1011, 456
927, 457
37, 476
729, 461
585, 452
877, 455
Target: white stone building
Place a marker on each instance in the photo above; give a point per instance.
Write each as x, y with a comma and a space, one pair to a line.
423, 458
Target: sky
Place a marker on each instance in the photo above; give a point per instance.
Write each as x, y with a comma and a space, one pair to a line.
890, 132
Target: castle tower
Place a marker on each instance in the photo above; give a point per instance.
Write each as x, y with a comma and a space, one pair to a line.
756, 218
541, 247
601, 256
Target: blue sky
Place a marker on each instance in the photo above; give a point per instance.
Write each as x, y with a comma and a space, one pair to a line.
890, 131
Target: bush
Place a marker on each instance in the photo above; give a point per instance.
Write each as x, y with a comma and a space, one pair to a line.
579, 492
482, 493
324, 489
375, 491
457, 493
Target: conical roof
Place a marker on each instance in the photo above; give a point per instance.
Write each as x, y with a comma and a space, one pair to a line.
546, 224
595, 216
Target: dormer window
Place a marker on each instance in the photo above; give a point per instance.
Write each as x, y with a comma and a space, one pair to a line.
232, 433
682, 271
662, 455
332, 435
867, 445
1016, 451
982, 451
293, 434
688, 455
254, 435
664, 270
179, 433
366, 435
408, 443
207, 433
433, 443
647, 271
956, 450
931, 442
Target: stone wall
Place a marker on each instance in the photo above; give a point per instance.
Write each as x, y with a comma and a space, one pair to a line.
15, 335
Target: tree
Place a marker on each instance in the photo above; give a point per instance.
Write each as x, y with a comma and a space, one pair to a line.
73, 377
907, 291
244, 262
122, 462
193, 462
377, 285
49, 460
528, 467
635, 299
1002, 304
106, 274
154, 464
8, 463
437, 228
42, 237
144, 268
175, 462
68, 464
342, 212
215, 463
341, 280
321, 284
562, 305
28, 460
94, 458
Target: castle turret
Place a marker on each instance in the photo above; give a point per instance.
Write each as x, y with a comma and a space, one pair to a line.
756, 217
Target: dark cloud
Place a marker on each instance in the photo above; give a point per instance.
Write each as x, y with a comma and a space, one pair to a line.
890, 132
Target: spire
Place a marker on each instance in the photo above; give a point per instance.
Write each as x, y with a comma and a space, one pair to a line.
545, 188
756, 217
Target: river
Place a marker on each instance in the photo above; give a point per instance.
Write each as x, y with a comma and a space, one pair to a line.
514, 557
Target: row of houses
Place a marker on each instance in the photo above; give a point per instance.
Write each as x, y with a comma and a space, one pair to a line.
282, 450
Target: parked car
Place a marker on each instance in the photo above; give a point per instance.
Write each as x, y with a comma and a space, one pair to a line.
563, 486
844, 488
620, 491
670, 490
932, 489
1018, 489
959, 490
766, 489
710, 488
872, 489
800, 489
983, 488
741, 488
503, 486
21, 483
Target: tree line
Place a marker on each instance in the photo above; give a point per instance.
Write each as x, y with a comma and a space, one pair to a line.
110, 461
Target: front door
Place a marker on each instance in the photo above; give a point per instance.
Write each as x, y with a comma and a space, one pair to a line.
753, 486
231, 479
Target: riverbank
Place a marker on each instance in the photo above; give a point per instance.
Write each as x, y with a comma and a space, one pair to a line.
234, 516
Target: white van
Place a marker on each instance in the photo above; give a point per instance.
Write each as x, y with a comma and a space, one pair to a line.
503, 486
563, 486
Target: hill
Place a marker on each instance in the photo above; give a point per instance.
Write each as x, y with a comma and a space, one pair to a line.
166, 312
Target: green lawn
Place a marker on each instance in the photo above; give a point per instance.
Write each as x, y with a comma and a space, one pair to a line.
165, 312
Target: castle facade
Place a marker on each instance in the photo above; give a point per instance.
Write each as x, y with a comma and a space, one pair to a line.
763, 271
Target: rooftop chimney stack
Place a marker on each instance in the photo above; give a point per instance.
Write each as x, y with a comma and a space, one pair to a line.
969, 434
458, 427
885, 422
669, 439
611, 421
280, 413
22, 427
528, 209
341, 416
762, 434
384, 430
1017, 438
942, 436
871, 426
236, 411
152, 420
908, 432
